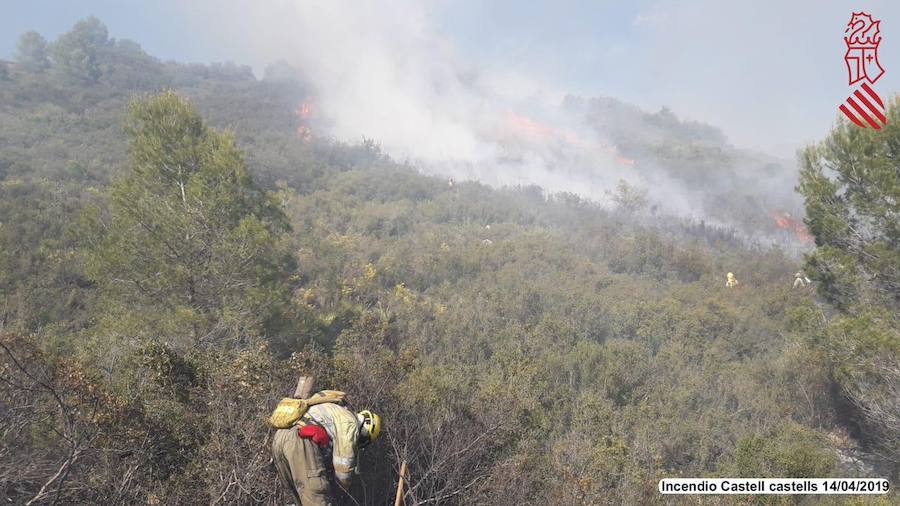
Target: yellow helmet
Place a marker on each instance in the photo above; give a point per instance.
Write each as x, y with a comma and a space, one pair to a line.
372, 424
730, 275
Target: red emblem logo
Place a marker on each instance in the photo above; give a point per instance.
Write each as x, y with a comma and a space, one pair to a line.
862, 48
862, 36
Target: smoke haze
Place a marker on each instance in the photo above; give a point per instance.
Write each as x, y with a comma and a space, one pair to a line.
485, 90
395, 79
386, 72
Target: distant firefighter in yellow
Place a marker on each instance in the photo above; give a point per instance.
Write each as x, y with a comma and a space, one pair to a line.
731, 281
800, 280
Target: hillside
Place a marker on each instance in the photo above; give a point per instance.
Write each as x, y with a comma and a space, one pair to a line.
523, 348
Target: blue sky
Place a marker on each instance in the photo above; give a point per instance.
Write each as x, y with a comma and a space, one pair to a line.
522, 33
161, 27
770, 74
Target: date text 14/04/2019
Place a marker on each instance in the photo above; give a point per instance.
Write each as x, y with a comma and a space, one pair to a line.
774, 486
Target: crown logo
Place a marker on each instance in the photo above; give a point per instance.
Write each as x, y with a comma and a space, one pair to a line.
863, 31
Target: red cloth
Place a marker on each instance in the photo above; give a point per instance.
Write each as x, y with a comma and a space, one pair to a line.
316, 433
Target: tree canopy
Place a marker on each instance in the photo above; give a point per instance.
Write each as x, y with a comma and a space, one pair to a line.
31, 51
851, 182
189, 243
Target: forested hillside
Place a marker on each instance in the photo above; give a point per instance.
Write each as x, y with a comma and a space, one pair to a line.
176, 250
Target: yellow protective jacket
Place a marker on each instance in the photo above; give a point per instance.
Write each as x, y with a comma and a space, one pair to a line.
343, 429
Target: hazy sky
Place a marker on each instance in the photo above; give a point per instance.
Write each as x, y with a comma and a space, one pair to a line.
769, 73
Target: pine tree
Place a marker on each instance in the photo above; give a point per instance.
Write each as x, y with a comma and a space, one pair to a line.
76, 54
189, 246
31, 51
851, 182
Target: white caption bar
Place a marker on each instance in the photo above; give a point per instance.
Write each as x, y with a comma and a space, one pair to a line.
774, 486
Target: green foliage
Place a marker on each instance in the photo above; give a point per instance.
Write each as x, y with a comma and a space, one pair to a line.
852, 190
76, 53
188, 239
40, 283
31, 51
628, 199
793, 452
852, 187
169, 369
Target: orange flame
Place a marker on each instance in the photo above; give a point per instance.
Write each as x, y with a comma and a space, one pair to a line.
628, 162
785, 221
523, 126
303, 111
531, 130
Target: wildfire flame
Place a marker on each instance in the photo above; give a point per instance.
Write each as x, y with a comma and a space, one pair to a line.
787, 222
303, 111
523, 126
531, 130
628, 162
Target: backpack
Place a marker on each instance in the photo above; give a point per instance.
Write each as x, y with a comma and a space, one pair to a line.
289, 411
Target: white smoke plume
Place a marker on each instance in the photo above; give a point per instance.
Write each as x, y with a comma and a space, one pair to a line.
383, 71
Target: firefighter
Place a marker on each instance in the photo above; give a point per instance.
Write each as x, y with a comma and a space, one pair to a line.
800, 280
731, 281
326, 429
